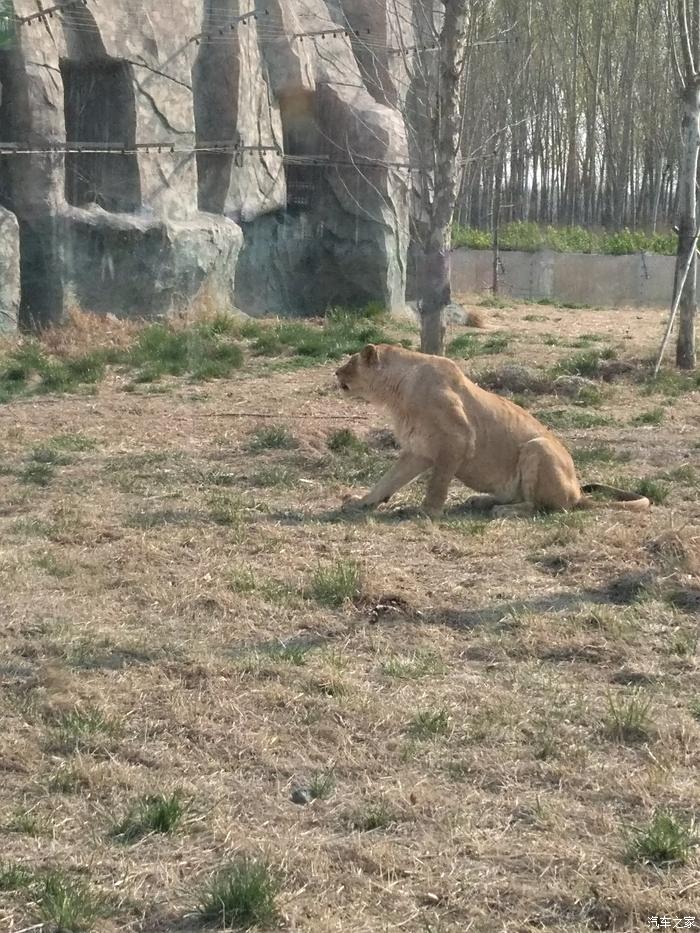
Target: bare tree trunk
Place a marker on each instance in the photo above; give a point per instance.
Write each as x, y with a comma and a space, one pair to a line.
687, 226
447, 132
657, 196
496, 221
570, 193
436, 291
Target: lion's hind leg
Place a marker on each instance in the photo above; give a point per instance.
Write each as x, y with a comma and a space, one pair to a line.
547, 480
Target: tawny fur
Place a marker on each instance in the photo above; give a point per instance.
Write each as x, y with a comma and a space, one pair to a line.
448, 425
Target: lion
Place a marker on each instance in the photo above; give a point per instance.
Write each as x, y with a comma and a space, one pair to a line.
448, 425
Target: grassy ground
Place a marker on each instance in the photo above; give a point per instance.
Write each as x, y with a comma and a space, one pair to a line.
224, 703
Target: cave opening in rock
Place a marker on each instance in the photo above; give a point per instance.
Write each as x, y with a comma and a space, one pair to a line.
25, 185
100, 108
215, 91
302, 138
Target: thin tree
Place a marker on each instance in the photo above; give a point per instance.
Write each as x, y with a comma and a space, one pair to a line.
440, 197
688, 26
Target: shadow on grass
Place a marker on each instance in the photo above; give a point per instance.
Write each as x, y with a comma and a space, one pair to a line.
389, 516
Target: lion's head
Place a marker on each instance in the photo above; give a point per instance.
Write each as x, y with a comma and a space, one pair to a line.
357, 376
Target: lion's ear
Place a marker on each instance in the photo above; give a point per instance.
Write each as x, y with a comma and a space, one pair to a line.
369, 355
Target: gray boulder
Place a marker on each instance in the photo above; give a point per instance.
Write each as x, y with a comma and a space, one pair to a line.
130, 265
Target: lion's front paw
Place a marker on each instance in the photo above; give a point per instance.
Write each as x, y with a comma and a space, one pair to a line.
353, 504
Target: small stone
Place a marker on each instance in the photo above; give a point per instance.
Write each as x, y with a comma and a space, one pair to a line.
453, 313
302, 796
467, 317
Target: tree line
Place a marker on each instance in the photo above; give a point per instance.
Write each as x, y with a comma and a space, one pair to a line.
573, 117
584, 113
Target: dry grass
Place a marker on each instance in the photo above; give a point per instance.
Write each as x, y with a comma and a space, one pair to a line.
89, 332
502, 706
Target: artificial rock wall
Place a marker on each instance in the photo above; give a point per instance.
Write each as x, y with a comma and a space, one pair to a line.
174, 209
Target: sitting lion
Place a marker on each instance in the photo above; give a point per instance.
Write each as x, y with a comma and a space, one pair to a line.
448, 425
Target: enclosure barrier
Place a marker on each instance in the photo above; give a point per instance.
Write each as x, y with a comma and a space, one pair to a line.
639, 280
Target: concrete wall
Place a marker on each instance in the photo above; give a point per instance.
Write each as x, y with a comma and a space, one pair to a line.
642, 279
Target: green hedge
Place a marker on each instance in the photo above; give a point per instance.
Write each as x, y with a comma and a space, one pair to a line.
531, 237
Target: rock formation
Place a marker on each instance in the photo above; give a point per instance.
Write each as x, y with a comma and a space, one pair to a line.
9, 271
208, 150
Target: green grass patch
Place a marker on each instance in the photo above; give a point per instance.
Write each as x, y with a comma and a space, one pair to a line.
288, 653
600, 453
322, 784
221, 478
72, 443
532, 237
495, 301
54, 566
50, 455
375, 816
37, 474
241, 895
665, 840
67, 779
694, 708
155, 813
268, 477
345, 440
27, 823
84, 729
15, 877
628, 718
342, 333
242, 580
572, 418
467, 346
586, 363
272, 437
671, 383
653, 416
229, 509
469, 527
685, 474
414, 666
336, 583
684, 644
656, 491
201, 351
69, 904
329, 686
356, 466
30, 370
429, 724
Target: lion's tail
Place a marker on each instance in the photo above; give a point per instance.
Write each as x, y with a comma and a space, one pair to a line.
618, 498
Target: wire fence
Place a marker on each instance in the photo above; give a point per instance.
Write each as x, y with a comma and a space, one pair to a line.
220, 27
